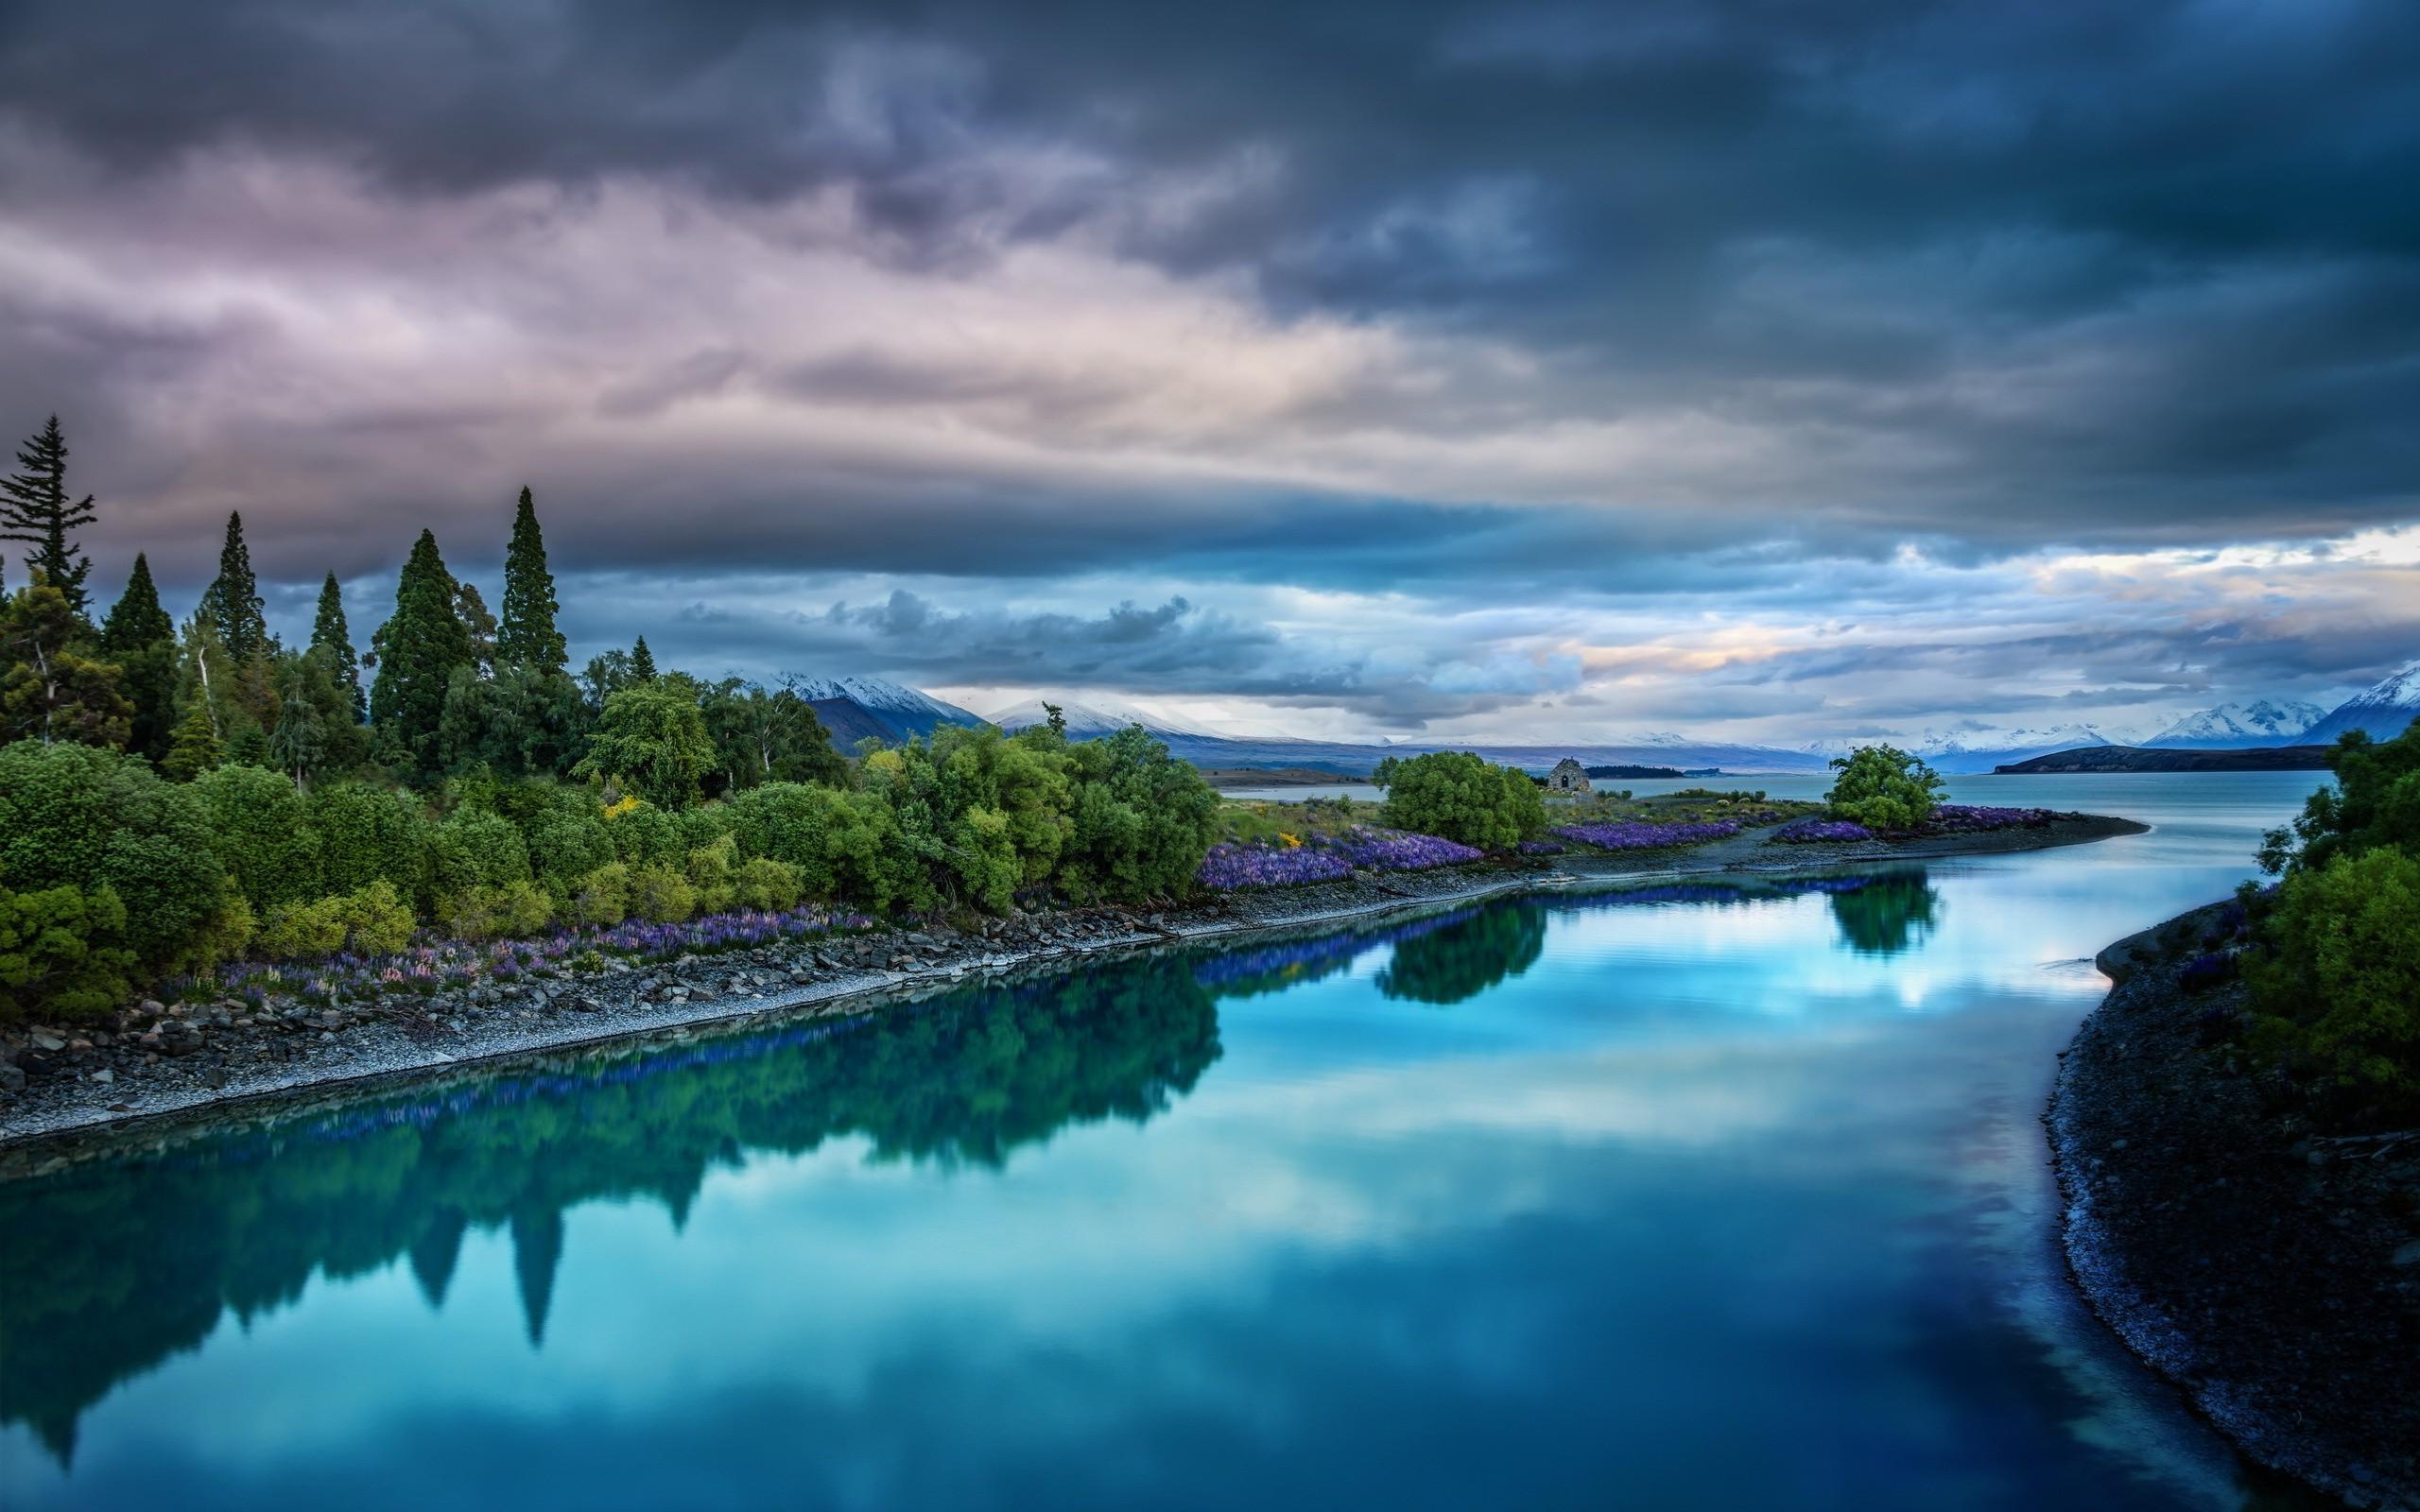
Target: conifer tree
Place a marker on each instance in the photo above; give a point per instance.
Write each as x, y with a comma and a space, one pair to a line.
142, 640
231, 603
478, 623
35, 510
331, 637
642, 662
297, 742
527, 635
196, 748
50, 689
418, 650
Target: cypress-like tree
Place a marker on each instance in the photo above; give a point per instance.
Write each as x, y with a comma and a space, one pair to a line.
35, 510
642, 662
527, 635
136, 620
418, 650
142, 640
231, 603
330, 635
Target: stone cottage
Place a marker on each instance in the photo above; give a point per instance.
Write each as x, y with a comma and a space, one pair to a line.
1567, 777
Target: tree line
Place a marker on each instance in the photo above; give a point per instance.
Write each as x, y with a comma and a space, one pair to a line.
179, 793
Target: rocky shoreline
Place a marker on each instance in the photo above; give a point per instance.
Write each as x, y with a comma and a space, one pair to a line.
2269, 1270
154, 1060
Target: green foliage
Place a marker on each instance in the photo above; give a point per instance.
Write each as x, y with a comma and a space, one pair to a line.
79, 816
1462, 959
2374, 802
642, 662
713, 875
1140, 820
140, 638
1882, 787
257, 821
474, 848
370, 921
602, 898
843, 846
652, 740
660, 895
1461, 796
366, 836
333, 641
526, 636
762, 736
50, 688
766, 884
232, 604
63, 952
503, 911
36, 509
568, 840
2339, 985
418, 649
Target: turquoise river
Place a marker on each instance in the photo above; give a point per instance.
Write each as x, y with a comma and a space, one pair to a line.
1705, 1196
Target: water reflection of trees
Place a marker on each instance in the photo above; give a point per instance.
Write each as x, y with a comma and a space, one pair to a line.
1466, 957
1892, 912
109, 1268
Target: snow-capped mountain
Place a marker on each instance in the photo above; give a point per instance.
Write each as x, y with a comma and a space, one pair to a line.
2262, 722
1088, 721
2385, 710
854, 709
1973, 751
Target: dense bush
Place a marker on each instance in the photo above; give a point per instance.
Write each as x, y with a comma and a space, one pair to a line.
260, 832
368, 834
62, 950
372, 921
2339, 984
1461, 798
2374, 801
1882, 787
1141, 820
98, 820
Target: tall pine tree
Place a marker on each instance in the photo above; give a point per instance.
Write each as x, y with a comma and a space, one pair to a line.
142, 640
527, 635
35, 510
642, 662
418, 650
329, 636
231, 603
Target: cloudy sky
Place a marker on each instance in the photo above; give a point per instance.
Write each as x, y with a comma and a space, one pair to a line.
1762, 369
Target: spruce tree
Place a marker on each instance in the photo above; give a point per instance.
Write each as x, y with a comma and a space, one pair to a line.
142, 640
527, 635
231, 603
196, 748
329, 636
35, 510
642, 662
418, 650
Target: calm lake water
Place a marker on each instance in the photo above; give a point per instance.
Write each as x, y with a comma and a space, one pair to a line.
1699, 1197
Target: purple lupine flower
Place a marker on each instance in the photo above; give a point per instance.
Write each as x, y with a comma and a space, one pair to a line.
1809, 831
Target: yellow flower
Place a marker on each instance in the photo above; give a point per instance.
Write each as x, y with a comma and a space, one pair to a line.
1291, 843
629, 802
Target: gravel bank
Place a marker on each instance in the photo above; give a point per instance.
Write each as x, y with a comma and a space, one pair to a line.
151, 1062
2274, 1274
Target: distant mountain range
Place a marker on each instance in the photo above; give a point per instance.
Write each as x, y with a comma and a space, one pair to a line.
2384, 710
2265, 722
854, 709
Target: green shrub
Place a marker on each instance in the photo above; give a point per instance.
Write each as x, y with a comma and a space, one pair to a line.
844, 846
1140, 820
566, 844
79, 816
1459, 796
652, 739
2374, 802
713, 876
514, 910
660, 895
1882, 787
2339, 985
370, 920
474, 849
366, 835
602, 899
63, 952
764, 884
261, 833
646, 834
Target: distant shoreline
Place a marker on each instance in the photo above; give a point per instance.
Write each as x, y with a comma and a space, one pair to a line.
2087, 760
222, 1073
